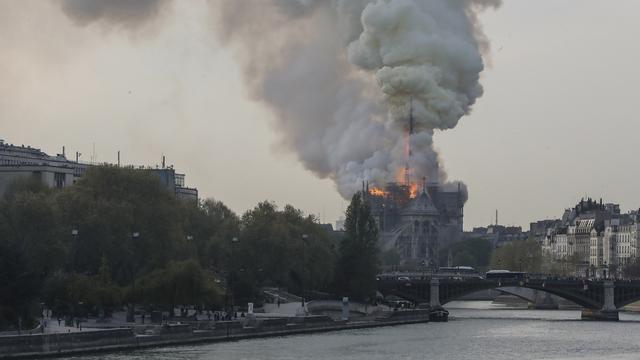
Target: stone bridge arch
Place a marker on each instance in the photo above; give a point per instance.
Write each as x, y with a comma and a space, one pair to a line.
599, 298
419, 291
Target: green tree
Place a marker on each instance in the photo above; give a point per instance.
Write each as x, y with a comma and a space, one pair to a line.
519, 255
125, 215
209, 227
472, 252
180, 283
281, 248
29, 249
18, 285
119, 235
358, 258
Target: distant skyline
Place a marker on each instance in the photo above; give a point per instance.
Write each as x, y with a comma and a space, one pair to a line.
557, 121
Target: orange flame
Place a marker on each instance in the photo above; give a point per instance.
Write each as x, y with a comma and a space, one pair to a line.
413, 190
377, 192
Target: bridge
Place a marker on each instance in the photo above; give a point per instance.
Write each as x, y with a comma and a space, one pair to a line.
600, 299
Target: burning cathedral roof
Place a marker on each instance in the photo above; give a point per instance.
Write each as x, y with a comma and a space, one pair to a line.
422, 205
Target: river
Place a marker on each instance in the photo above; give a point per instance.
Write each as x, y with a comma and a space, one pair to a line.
477, 330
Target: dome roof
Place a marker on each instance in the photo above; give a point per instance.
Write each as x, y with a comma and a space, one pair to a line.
422, 205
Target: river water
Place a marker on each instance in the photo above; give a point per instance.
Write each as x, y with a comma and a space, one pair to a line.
477, 330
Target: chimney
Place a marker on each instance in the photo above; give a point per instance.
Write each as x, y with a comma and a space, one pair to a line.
163, 161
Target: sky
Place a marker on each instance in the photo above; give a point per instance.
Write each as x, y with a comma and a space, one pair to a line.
557, 121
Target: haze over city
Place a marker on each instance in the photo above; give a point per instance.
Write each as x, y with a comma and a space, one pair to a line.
556, 121
319, 179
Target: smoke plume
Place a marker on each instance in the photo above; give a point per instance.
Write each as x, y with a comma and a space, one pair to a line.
126, 13
343, 76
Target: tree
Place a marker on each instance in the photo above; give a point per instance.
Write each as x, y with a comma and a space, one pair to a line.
358, 259
123, 214
519, 255
180, 283
472, 252
210, 226
630, 270
29, 249
280, 248
119, 235
18, 285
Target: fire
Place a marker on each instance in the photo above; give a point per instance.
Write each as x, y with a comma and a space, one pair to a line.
413, 190
377, 192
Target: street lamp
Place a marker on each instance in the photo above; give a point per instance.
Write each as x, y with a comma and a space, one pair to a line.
304, 239
192, 250
42, 315
234, 241
74, 233
131, 316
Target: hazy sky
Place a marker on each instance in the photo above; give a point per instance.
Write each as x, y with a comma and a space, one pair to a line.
557, 121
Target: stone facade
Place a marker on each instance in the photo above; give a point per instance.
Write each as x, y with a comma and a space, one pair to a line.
417, 226
58, 172
595, 238
25, 161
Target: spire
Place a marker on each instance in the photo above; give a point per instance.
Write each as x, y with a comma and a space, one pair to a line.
407, 169
411, 122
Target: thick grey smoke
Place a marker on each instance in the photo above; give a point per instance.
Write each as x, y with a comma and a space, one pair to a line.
343, 76
126, 13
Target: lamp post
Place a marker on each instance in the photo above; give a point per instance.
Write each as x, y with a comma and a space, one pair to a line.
304, 239
189, 239
74, 233
234, 241
42, 317
131, 316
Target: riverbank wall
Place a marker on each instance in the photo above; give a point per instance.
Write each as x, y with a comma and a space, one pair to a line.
113, 340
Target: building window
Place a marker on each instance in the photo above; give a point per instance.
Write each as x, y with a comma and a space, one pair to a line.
59, 180
179, 180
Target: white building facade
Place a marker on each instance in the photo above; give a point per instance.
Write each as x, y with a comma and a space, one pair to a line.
595, 239
18, 162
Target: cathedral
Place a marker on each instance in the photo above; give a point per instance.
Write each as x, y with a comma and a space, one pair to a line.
417, 223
